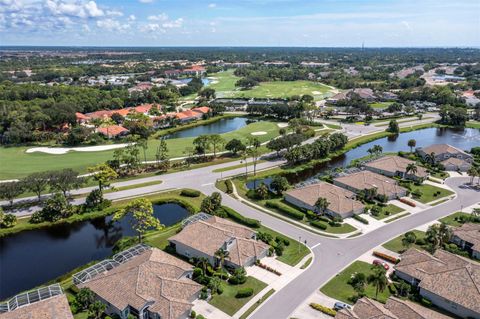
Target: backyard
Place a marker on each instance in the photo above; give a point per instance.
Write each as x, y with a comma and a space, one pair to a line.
339, 288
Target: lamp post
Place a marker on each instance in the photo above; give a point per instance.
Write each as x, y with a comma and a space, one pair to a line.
299, 243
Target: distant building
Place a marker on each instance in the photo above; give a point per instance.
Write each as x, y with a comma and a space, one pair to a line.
43, 303
204, 235
342, 202
394, 308
363, 180
449, 281
140, 87
364, 93
467, 237
395, 166
112, 131
449, 156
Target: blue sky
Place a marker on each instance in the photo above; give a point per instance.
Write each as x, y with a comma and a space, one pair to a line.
320, 23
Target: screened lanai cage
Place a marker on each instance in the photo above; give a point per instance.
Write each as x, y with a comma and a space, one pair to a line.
30, 297
195, 218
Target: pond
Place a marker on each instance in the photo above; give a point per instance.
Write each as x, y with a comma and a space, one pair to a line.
464, 139
205, 81
217, 127
32, 258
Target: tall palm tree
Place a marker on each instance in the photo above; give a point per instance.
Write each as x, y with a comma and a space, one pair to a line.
321, 205
472, 172
379, 279
221, 255
412, 143
202, 262
411, 168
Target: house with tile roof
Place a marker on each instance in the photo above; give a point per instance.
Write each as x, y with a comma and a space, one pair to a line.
151, 284
342, 202
394, 308
393, 165
112, 131
449, 281
204, 237
467, 237
188, 115
42, 303
452, 158
363, 180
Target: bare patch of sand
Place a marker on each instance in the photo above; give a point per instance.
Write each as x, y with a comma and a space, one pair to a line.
65, 150
259, 133
280, 125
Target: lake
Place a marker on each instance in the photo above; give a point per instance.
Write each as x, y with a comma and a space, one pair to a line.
32, 258
217, 127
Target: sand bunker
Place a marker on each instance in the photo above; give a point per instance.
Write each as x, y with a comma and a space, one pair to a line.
316, 92
259, 133
280, 125
65, 150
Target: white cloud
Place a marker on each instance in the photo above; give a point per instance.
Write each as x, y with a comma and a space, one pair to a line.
406, 25
158, 17
74, 9
112, 25
212, 5
173, 24
131, 18
114, 13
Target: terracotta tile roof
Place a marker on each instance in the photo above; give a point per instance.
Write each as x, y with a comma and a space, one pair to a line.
154, 276
202, 109
442, 149
395, 164
394, 308
112, 130
81, 116
187, 114
367, 180
208, 236
341, 200
55, 307
470, 233
447, 275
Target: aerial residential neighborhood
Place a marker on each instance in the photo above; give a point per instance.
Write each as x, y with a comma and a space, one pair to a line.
239, 159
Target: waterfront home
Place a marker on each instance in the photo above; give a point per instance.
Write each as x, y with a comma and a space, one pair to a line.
467, 237
42, 303
204, 235
394, 308
144, 282
112, 131
452, 158
342, 202
393, 165
449, 281
364, 180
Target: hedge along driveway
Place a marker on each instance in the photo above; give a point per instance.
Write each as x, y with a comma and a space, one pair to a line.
16, 163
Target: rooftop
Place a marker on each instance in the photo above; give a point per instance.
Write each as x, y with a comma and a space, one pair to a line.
395, 163
469, 232
367, 180
112, 130
442, 149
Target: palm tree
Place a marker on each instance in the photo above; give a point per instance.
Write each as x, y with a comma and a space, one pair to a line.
411, 168
472, 172
221, 255
321, 205
444, 234
379, 279
412, 143
203, 263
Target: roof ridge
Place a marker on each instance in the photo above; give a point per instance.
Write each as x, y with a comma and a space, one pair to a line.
467, 268
226, 232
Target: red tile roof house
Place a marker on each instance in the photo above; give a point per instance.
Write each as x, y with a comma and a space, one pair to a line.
449, 281
342, 202
196, 70
81, 118
43, 303
203, 235
362, 180
189, 115
143, 281
112, 131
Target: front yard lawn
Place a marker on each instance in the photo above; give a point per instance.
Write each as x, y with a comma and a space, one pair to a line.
388, 211
396, 243
451, 220
339, 288
228, 303
440, 175
293, 253
428, 193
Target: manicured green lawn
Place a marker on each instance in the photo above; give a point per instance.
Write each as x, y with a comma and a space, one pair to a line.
450, 219
380, 105
396, 243
17, 163
441, 175
227, 302
473, 124
391, 209
293, 253
229, 168
339, 288
247, 313
428, 192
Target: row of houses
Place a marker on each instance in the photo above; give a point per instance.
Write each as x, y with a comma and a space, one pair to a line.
156, 121
194, 70
147, 282
364, 93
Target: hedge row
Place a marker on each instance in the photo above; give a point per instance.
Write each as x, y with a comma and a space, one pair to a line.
360, 219
229, 186
244, 293
190, 192
325, 310
249, 222
318, 224
287, 210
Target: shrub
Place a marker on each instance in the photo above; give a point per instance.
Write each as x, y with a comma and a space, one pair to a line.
325, 310
229, 186
244, 293
249, 222
190, 193
360, 219
287, 210
8, 220
420, 241
279, 249
283, 240
274, 271
200, 317
318, 224
426, 302
385, 256
193, 314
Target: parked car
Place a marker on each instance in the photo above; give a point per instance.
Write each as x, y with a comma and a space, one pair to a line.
381, 263
340, 305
